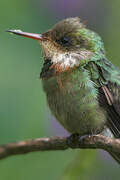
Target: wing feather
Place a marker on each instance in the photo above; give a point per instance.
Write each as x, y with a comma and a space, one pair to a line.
110, 101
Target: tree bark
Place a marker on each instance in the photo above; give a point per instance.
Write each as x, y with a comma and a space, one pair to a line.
60, 143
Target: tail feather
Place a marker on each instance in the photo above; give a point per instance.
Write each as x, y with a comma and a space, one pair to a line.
115, 156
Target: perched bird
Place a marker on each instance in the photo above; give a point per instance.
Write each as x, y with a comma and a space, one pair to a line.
82, 86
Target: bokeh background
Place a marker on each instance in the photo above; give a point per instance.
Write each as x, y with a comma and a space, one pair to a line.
23, 110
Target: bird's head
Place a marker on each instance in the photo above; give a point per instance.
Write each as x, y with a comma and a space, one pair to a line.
68, 44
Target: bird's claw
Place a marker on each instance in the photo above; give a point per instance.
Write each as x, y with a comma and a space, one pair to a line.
72, 140
75, 140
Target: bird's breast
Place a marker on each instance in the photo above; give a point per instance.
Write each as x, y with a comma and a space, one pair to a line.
72, 100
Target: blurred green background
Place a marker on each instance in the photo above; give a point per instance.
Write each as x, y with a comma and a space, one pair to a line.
23, 110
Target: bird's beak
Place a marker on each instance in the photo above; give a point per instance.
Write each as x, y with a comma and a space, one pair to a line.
26, 34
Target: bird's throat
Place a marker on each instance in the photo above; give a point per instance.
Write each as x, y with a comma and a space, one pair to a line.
62, 62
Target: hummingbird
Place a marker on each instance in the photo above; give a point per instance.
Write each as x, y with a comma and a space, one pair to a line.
82, 86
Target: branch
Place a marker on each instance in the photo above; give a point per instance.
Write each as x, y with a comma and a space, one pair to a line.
60, 143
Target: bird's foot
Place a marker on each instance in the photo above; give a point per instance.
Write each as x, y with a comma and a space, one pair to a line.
75, 140
83, 138
72, 140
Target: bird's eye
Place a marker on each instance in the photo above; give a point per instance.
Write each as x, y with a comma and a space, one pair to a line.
65, 41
